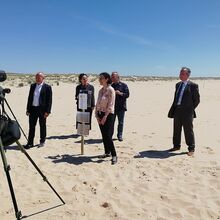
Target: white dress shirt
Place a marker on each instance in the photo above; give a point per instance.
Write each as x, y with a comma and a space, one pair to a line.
37, 94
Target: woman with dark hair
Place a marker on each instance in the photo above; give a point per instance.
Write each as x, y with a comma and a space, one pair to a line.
85, 87
104, 113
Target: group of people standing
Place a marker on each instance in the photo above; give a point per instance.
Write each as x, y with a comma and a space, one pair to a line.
111, 103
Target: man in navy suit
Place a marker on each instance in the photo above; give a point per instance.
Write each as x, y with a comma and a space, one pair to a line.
122, 93
38, 106
186, 99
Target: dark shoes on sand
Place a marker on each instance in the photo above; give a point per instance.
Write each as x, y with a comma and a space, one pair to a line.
28, 146
104, 156
41, 144
190, 153
120, 139
174, 149
114, 159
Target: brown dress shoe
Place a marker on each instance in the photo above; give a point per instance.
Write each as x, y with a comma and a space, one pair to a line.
174, 149
190, 153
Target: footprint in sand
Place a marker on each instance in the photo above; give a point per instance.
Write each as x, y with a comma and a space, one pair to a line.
210, 150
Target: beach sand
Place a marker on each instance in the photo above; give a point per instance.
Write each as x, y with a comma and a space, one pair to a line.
146, 183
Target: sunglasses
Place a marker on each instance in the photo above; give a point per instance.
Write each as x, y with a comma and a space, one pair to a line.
84, 78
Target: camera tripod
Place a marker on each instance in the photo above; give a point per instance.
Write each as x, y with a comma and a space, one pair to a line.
20, 147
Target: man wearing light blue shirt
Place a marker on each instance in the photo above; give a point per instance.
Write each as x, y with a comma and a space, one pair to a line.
186, 99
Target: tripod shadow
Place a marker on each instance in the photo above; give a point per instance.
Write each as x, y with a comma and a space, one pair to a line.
15, 147
74, 159
158, 154
45, 210
94, 141
12, 147
63, 137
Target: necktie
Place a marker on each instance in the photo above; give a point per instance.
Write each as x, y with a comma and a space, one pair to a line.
179, 94
179, 88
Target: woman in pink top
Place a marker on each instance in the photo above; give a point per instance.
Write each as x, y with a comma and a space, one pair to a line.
105, 115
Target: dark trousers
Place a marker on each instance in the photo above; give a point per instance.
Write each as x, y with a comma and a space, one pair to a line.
33, 117
120, 115
107, 131
182, 119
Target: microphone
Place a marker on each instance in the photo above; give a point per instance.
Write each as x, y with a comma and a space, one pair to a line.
3, 76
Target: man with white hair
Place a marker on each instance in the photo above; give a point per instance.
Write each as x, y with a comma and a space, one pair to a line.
38, 107
122, 93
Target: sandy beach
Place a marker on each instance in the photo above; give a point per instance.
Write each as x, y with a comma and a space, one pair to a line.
147, 183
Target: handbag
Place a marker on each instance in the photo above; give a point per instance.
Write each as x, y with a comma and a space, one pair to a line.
11, 132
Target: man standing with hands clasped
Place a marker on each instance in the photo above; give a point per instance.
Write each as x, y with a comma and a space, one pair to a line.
122, 93
186, 99
38, 106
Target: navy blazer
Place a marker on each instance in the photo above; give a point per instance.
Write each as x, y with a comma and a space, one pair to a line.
190, 99
45, 99
121, 101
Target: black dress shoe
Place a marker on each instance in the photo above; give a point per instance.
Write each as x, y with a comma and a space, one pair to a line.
120, 139
104, 156
41, 144
174, 149
114, 160
28, 146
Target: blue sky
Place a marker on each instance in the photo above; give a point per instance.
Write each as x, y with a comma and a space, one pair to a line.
133, 37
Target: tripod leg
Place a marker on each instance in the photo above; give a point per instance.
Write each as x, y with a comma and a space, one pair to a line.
39, 171
7, 168
15, 118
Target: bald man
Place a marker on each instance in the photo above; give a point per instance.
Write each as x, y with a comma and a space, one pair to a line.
122, 93
38, 107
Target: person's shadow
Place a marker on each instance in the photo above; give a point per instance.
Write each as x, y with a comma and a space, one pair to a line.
63, 137
16, 147
86, 141
74, 159
157, 154
91, 141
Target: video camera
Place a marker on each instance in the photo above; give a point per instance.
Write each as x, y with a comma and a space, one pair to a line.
10, 133
9, 129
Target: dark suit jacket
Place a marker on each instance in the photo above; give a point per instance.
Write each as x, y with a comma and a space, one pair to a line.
45, 99
190, 99
121, 101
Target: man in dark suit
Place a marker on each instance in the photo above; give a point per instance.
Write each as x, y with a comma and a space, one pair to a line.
186, 99
38, 106
122, 93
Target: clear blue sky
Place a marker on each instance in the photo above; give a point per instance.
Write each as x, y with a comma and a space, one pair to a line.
134, 37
